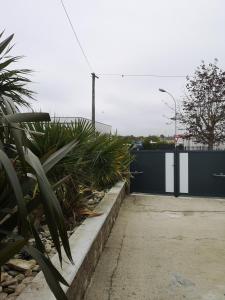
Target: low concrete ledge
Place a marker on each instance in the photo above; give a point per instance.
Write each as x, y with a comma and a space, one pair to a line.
86, 243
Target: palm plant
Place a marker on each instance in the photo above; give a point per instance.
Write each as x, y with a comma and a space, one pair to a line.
97, 162
13, 81
110, 160
98, 159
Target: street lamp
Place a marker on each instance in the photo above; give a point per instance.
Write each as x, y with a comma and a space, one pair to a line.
175, 108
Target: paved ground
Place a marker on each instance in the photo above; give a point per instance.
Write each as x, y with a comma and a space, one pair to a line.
164, 248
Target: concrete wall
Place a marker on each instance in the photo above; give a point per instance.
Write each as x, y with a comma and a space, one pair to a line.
83, 276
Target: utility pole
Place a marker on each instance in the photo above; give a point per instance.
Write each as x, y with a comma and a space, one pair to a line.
93, 99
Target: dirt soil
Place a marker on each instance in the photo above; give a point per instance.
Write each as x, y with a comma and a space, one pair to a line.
164, 248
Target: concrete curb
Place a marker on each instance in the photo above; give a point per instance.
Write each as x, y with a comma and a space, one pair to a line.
87, 243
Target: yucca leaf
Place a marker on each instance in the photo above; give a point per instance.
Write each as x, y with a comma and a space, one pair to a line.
17, 134
8, 50
56, 273
1, 34
7, 62
52, 276
27, 117
14, 181
38, 242
9, 249
36, 133
5, 43
54, 215
48, 198
61, 181
58, 155
13, 81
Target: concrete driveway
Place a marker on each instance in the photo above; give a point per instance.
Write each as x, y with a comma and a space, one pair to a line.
163, 248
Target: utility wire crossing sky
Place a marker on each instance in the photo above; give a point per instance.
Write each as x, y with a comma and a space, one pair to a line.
135, 46
88, 62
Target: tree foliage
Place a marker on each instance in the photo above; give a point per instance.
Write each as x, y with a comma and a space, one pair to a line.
203, 108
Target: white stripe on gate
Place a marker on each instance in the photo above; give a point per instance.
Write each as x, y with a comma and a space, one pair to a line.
183, 173
169, 166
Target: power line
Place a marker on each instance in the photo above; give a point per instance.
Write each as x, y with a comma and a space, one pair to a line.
143, 75
110, 74
76, 36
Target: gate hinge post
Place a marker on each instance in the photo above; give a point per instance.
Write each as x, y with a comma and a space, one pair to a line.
176, 173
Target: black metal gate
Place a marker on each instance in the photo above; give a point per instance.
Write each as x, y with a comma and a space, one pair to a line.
207, 173
149, 172
199, 173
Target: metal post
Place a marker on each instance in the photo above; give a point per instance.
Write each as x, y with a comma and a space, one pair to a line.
93, 99
176, 172
175, 118
176, 153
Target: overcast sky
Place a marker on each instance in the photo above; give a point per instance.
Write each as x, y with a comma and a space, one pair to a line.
165, 37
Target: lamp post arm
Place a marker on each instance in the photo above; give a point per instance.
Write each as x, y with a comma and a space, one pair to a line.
175, 103
175, 107
175, 119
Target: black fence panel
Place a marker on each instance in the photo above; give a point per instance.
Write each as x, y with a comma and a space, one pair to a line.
148, 170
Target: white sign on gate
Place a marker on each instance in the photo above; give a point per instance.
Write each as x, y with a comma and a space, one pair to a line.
183, 173
169, 166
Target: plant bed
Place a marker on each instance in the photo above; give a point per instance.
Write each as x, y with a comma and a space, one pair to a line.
87, 242
20, 270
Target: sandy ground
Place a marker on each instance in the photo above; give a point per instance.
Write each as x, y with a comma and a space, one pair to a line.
163, 248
